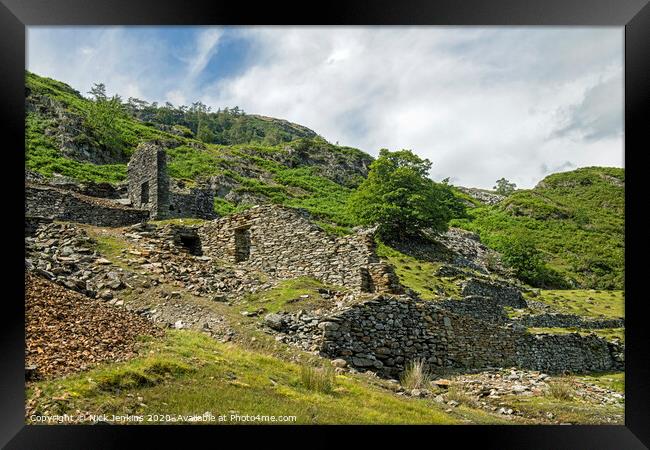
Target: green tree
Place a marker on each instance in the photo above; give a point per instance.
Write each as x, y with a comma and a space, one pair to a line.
400, 198
504, 187
103, 116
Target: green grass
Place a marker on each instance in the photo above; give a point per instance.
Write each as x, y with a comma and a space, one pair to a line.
588, 303
190, 373
286, 296
418, 275
333, 229
614, 381
576, 219
572, 410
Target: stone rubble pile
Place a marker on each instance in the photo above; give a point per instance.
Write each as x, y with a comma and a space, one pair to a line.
64, 253
468, 251
67, 332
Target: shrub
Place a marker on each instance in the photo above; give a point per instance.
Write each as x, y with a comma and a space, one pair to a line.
317, 379
416, 375
520, 254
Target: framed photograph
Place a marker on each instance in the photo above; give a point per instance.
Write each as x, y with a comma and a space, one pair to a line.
387, 215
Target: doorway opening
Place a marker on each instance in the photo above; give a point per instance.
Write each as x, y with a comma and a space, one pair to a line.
242, 244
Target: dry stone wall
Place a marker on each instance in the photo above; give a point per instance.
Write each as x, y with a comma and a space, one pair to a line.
478, 307
53, 203
385, 333
505, 294
283, 243
568, 321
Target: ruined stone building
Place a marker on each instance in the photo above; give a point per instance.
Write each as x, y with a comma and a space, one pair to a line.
148, 180
284, 243
150, 188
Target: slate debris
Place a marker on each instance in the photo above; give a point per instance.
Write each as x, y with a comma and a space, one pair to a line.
67, 332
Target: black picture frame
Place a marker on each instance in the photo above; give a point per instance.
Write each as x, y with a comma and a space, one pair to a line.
634, 15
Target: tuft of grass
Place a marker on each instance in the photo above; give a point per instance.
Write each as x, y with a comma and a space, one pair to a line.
416, 375
457, 394
561, 390
317, 379
149, 373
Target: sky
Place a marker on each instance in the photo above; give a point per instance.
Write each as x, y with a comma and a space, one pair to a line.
480, 103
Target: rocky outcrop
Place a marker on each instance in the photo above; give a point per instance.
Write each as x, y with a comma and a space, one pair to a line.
488, 198
468, 251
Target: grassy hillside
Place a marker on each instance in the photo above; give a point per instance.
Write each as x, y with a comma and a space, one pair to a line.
575, 218
189, 373
306, 172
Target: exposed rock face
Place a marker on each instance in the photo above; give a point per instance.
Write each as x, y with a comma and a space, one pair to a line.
385, 333
68, 131
504, 294
283, 243
468, 251
489, 198
54, 203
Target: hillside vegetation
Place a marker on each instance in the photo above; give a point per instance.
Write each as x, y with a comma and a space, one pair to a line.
575, 219
300, 169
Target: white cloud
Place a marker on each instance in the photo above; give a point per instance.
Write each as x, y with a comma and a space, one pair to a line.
206, 46
480, 103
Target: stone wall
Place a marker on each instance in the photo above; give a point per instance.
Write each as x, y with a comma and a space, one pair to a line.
505, 294
385, 333
191, 202
53, 203
283, 243
482, 308
148, 180
33, 223
567, 321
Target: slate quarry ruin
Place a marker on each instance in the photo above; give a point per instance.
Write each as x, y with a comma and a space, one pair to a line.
382, 329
